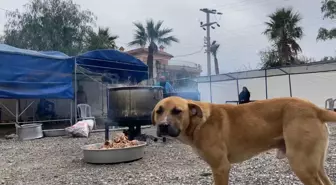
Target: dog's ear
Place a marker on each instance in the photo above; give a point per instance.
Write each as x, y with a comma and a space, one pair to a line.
152, 117
195, 110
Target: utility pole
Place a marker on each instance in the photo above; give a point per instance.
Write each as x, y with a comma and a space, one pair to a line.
206, 27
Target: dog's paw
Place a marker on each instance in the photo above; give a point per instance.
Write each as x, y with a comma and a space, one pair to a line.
280, 154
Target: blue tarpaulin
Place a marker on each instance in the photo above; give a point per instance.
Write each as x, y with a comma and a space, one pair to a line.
114, 62
33, 74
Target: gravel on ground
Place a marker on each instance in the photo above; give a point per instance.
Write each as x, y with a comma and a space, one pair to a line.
56, 161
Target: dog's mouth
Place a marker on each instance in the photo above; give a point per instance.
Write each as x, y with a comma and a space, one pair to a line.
167, 130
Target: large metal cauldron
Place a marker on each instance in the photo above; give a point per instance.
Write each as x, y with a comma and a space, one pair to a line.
132, 105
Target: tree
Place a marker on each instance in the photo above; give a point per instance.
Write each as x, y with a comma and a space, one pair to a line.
101, 40
283, 31
151, 35
328, 59
213, 49
304, 59
49, 25
328, 10
269, 58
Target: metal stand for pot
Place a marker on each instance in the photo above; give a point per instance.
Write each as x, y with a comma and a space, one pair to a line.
131, 133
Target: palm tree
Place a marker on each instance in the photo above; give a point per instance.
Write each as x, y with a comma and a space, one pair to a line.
101, 40
213, 49
151, 35
283, 31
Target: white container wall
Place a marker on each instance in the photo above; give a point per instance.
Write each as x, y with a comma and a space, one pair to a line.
224, 91
278, 86
315, 87
204, 89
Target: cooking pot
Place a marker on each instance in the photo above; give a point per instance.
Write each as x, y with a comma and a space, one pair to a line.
132, 105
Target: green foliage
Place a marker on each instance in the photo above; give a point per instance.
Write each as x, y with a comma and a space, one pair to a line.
283, 31
101, 40
151, 35
269, 58
49, 25
328, 59
328, 10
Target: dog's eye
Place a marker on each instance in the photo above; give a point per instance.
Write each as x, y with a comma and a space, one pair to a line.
176, 111
159, 111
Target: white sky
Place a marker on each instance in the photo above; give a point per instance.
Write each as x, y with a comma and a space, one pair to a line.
239, 35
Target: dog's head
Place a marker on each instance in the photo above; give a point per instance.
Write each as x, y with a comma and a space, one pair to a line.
174, 115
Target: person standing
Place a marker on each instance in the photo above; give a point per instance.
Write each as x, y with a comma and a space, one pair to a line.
244, 96
167, 87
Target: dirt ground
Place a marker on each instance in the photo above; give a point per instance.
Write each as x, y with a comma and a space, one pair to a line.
56, 161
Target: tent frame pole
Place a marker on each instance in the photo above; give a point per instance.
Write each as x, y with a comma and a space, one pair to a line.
71, 113
17, 111
75, 93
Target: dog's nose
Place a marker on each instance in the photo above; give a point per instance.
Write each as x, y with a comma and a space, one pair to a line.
163, 129
167, 129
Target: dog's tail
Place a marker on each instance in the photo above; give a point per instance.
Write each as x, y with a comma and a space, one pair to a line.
327, 115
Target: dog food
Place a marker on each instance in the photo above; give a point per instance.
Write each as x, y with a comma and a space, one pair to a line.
120, 141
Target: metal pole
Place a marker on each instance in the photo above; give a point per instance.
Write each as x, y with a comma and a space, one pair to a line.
17, 111
210, 90
208, 44
290, 85
266, 84
71, 112
107, 129
102, 91
207, 27
237, 83
107, 105
75, 93
107, 99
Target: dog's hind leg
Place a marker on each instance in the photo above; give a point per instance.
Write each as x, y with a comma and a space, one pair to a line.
322, 174
305, 148
305, 167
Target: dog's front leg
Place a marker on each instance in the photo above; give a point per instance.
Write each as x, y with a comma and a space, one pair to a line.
221, 173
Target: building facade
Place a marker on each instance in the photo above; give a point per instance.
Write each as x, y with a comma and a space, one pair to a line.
164, 65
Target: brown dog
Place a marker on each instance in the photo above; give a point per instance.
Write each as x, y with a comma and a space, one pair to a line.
223, 134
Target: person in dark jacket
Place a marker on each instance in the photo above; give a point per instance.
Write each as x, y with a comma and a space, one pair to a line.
244, 96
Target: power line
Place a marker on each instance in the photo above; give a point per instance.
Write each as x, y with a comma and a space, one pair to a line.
189, 54
246, 29
244, 2
246, 6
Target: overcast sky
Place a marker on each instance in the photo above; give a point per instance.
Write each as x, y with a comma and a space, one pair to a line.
239, 35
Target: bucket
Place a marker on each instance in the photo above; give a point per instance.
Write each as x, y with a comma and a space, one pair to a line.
29, 131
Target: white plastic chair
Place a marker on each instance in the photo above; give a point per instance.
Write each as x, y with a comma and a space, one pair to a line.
84, 112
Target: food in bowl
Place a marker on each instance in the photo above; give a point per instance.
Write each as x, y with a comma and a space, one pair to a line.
120, 141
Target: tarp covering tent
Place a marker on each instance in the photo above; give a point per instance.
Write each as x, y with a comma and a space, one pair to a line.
33, 74
113, 62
